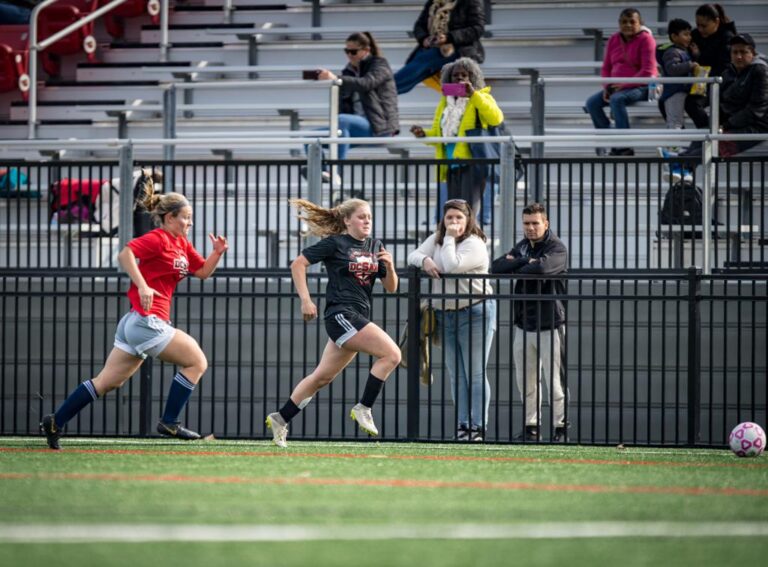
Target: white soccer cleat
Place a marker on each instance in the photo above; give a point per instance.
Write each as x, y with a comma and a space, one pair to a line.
279, 429
362, 415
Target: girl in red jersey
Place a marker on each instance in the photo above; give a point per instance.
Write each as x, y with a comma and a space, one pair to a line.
353, 261
165, 257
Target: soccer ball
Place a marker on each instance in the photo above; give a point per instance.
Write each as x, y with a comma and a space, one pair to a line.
747, 439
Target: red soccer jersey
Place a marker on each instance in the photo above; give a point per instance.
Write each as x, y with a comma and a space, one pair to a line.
164, 260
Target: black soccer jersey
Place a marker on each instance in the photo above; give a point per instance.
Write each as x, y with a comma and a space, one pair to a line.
352, 268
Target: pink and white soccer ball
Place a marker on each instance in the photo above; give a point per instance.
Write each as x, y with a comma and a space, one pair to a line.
747, 439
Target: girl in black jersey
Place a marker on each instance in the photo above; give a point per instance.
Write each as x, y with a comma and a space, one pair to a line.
353, 261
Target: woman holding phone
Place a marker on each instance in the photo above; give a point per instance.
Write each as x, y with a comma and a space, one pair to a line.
466, 104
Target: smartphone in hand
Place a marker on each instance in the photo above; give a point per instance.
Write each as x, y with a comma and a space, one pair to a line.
311, 75
454, 89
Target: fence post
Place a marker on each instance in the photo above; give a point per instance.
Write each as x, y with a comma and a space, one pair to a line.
333, 126
694, 354
314, 186
413, 356
709, 175
537, 148
508, 190
145, 372
714, 119
169, 133
164, 43
125, 228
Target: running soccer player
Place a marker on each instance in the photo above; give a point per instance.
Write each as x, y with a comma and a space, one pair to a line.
353, 261
165, 258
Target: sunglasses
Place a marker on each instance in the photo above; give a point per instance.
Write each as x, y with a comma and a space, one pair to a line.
351, 51
454, 202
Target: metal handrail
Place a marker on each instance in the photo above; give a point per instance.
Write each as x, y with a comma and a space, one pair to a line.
581, 139
640, 80
35, 48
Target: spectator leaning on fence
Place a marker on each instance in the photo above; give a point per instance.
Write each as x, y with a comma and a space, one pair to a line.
466, 325
445, 30
631, 52
454, 116
353, 262
165, 258
368, 98
539, 342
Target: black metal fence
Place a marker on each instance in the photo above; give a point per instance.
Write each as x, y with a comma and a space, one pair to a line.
668, 358
607, 210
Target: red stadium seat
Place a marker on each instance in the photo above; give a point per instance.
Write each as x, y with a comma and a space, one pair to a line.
132, 8
14, 59
57, 17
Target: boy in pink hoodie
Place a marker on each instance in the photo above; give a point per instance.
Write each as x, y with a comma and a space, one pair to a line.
629, 53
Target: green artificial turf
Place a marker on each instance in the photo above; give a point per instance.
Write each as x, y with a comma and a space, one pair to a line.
373, 486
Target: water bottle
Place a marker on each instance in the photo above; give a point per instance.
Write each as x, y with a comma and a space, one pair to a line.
654, 92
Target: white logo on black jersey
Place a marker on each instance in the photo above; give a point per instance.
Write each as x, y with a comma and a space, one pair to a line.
362, 264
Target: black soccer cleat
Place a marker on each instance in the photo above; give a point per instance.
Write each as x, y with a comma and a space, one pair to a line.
177, 431
51, 432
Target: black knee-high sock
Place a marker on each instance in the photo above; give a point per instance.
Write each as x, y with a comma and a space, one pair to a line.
289, 410
372, 388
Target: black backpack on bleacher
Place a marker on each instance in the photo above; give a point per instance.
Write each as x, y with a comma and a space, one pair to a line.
683, 205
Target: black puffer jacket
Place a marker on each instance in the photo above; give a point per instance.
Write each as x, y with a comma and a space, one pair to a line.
550, 258
376, 86
744, 98
465, 28
714, 50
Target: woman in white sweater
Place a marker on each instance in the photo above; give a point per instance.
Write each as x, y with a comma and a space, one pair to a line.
466, 324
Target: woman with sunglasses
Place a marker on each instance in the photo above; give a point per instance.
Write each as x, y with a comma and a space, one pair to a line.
368, 98
466, 324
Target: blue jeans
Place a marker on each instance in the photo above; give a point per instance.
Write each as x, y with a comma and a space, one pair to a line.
619, 102
424, 64
485, 213
466, 337
351, 126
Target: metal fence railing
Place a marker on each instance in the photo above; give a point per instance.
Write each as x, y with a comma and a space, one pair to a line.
607, 210
659, 358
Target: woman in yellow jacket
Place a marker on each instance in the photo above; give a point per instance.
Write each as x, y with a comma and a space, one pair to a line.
453, 117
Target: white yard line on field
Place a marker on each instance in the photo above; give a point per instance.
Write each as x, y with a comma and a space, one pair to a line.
80, 533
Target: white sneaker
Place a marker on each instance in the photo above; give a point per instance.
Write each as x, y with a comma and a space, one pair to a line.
279, 429
362, 415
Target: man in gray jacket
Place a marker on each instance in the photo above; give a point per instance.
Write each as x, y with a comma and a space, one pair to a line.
539, 342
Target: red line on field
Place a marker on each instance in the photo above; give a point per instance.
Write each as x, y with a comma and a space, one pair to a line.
394, 483
570, 461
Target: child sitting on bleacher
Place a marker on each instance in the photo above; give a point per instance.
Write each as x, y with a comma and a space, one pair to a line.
675, 61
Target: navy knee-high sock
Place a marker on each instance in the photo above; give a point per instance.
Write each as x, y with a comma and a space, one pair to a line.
178, 396
80, 397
